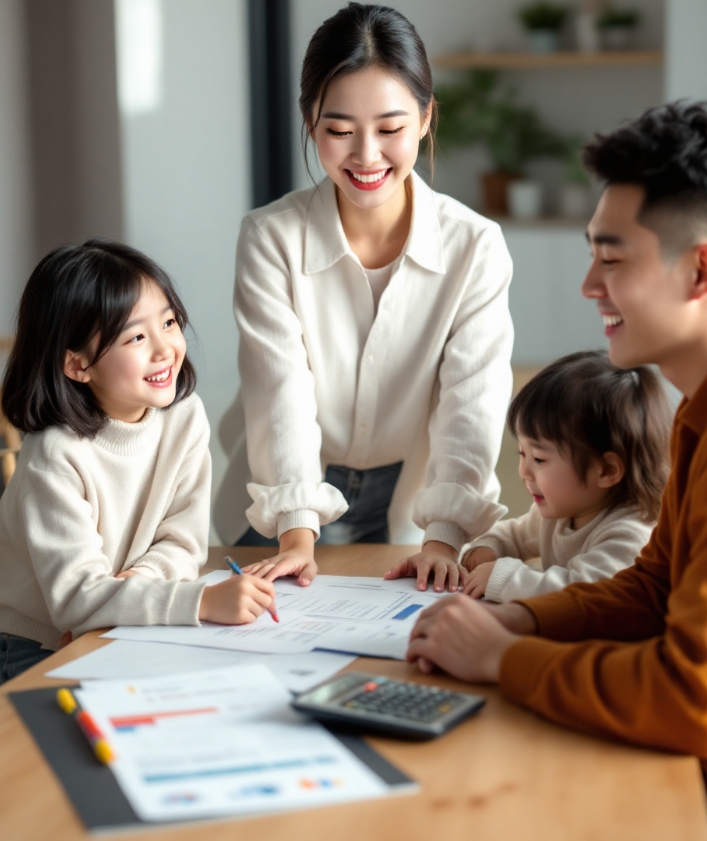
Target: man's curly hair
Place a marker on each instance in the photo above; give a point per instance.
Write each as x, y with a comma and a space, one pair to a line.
665, 152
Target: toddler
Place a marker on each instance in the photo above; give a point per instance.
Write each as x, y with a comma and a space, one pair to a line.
593, 443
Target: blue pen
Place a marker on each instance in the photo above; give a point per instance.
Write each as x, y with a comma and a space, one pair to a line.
234, 566
238, 571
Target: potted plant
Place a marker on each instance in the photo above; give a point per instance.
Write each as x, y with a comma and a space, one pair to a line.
543, 22
618, 27
478, 111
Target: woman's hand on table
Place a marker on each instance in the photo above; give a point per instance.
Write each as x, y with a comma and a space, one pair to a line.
436, 559
462, 637
296, 557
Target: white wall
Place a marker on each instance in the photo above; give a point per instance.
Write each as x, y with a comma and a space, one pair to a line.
686, 66
16, 230
550, 316
186, 168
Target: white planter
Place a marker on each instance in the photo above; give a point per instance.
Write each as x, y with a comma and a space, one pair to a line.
575, 201
543, 40
525, 199
586, 32
617, 37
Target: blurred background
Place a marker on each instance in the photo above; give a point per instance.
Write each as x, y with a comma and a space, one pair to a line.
162, 122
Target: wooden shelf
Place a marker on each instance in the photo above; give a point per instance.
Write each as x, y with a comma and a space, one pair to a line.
543, 222
540, 61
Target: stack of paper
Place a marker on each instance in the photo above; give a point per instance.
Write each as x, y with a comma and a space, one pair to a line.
134, 660
355, 615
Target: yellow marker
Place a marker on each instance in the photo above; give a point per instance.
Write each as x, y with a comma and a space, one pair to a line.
66, 701
99, 743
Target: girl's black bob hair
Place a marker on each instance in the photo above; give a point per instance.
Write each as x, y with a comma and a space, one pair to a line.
77, 292
355, 38
587, 406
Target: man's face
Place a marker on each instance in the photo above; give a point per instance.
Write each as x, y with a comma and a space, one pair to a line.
645, 300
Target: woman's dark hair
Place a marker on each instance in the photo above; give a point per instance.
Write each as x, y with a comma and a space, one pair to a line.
588, 407
357, 37
665, 152
77, 292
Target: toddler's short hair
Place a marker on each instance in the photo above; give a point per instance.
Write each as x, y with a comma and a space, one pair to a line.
588, 407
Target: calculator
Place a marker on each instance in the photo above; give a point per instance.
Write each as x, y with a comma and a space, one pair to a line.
387, 706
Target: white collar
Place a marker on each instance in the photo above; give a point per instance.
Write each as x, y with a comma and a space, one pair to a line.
326, 243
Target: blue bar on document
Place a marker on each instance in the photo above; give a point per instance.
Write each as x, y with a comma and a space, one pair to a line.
408, 611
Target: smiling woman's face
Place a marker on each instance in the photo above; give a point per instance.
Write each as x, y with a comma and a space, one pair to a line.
368, 136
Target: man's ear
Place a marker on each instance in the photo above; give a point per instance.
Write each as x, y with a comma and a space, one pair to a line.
611, 470
699, 286
76, 366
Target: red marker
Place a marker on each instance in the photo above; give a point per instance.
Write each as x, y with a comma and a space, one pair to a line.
94, 736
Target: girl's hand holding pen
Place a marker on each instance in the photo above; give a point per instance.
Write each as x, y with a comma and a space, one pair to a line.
237, 601
236, 570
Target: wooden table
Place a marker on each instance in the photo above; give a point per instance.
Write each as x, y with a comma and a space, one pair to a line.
505, 774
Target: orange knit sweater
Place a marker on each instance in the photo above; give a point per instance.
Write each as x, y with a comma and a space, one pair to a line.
627, 656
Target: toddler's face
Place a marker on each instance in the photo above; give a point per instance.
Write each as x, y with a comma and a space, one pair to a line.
554, 484
140, 369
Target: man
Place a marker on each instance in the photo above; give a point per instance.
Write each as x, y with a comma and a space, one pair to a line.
626, 656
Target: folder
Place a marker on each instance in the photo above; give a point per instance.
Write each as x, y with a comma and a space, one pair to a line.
92, 788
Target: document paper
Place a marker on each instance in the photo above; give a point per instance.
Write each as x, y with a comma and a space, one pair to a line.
219, 743
356, 615
133, 660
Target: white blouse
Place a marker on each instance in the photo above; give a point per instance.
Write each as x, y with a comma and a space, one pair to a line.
378, 279
326, 380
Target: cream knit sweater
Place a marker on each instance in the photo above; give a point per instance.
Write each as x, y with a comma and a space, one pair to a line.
78, 511
608, 543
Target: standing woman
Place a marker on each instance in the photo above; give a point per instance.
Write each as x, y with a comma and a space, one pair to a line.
375, 336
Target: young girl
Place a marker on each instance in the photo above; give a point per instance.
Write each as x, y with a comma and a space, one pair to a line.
106, 518
594, 457
375, 335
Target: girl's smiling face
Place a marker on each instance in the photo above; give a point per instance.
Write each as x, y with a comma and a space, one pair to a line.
368, 136
140, 368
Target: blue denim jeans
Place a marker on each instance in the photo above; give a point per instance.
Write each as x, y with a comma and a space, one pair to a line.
17, 654
368, 493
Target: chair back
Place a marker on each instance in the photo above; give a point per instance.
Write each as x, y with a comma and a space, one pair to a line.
10, 440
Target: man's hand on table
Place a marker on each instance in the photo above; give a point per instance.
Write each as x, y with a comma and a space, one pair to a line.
467, 639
